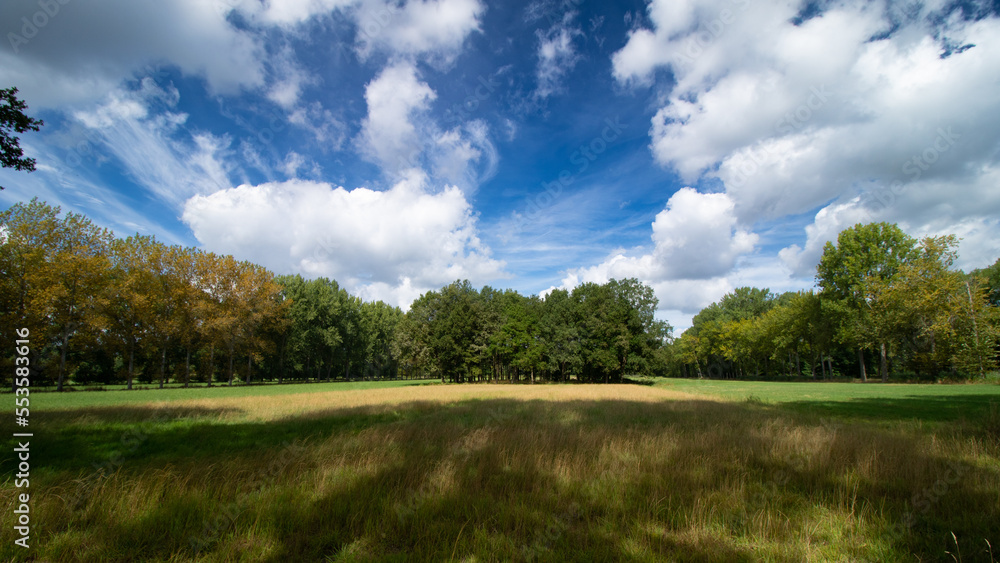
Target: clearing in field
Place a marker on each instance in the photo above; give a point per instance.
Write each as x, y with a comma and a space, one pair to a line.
515, 472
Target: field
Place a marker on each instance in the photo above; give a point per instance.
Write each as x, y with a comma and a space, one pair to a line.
675, 470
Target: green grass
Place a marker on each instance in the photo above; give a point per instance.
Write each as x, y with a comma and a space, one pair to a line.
514, 473
869, 401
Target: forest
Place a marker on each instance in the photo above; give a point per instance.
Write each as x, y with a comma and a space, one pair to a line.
885, 303
103, 310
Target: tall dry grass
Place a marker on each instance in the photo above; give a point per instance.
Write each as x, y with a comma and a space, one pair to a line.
500, 473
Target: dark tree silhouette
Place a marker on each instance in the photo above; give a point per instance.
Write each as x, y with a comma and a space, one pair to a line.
12, 117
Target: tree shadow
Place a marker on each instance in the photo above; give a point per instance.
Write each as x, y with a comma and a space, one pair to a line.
949, 408
505, 479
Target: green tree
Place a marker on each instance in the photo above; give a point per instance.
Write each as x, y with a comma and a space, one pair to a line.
182, 263
561, 334
14, 120
378, 323
129, 300
598, 331
938, 316
990, 278
863, 255
521, 333
316, 331
30, 234
81, 266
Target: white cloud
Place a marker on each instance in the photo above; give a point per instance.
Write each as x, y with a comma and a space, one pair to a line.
329, 131
392, 245
154, 148
791, 117
697, 244
287, 81
419, 27
293, 162
285, 13
695, 237
465, 156
388, 135
86, 49
399, 134
556, 55
62, 180
865, 112
432, 28
922, 208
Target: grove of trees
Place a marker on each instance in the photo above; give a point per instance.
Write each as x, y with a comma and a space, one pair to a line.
104, 310
107, 310
886, 303
596, 333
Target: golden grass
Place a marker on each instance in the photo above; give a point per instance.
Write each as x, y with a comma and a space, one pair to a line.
505, 472
257, 408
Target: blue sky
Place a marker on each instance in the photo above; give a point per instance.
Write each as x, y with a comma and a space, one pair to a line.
398, 145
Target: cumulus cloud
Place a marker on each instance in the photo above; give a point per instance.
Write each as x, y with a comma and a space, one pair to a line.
419, 27
399, 134
435, 29
696, 245
861, 110
286, 13
923, 208
85, 50
395, 98
391, 245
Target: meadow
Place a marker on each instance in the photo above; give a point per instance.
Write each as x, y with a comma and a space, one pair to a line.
659, 470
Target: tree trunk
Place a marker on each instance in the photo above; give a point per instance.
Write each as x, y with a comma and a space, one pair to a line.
187, 367
131, 363
211, 365
249, 368
163, 364
281, 366
975, 331
861, 364
883, 364
231, 353
62, 360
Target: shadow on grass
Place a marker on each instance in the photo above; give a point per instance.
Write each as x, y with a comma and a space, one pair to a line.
502, 479
920, 407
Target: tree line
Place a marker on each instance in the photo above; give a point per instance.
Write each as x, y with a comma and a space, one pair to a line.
885, 303
595, 333
106, 310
